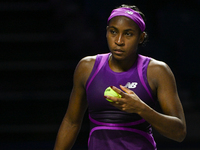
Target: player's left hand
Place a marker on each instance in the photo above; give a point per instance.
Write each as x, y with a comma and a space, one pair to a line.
129, 101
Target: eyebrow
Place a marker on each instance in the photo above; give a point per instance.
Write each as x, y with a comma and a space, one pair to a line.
124, 30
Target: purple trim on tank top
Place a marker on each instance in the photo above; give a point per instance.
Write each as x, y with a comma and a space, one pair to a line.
149, 137
103, 59
139, 67
116, 124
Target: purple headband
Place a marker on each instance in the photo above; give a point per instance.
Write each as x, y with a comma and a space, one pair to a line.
130, 13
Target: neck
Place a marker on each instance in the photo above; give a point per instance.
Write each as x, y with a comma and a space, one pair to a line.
121, 65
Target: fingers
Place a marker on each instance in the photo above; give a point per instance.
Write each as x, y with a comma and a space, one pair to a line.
113, 100
119, 100
116, 103
117, 90
126, 90
126, 102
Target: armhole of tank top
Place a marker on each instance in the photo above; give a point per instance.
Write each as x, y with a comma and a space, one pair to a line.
101, 63
144, 71
141, 60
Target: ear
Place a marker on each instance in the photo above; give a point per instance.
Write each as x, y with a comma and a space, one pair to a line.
142, 36
107, 30
107, 27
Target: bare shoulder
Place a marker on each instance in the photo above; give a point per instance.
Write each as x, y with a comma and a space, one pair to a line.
158, 68
156, 65
159, 73
84, 68
86, 64
88, 60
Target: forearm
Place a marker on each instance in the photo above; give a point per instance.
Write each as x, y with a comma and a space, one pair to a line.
67, 135
169, 126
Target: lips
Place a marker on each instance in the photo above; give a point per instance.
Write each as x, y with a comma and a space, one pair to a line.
118, 51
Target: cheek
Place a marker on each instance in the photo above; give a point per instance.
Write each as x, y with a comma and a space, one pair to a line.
132, 45
110, 41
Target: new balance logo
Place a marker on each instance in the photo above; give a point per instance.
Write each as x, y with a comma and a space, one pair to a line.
129, 12
131, 85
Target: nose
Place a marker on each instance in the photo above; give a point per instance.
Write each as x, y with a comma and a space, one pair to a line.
119, 40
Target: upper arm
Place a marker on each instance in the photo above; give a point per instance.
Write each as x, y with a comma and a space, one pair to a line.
78, 102
163, 82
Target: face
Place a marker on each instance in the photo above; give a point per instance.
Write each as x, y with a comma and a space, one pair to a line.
123, 36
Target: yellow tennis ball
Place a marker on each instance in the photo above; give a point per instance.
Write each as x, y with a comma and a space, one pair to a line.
110, 92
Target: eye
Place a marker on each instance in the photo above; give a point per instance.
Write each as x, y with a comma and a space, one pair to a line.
113, 31
129, 34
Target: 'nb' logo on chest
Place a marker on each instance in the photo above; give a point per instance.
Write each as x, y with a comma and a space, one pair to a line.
131, 85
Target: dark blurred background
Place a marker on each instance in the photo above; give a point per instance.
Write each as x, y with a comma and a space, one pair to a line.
41, 41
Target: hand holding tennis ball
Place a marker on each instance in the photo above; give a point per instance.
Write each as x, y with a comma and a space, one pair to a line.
110, 92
